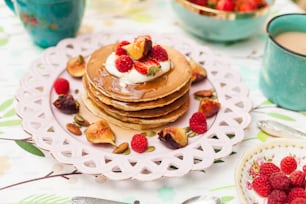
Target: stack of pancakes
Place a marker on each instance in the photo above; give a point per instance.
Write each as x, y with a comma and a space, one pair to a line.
138, 106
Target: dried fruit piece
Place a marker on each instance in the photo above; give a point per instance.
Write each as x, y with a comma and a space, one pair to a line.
121, 148
100, 133
80, 120
173, 138
140, 48
158, 53
74, 129
61, 86
198, 72
148, 67
76, 66
124, 63
139, 143
209, 107
67, 104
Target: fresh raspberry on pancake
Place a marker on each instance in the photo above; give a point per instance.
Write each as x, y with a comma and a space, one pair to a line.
124, 63
158, 53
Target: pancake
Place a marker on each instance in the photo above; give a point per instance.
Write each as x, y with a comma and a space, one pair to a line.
137, 123
135, 106
146, 113
109, 85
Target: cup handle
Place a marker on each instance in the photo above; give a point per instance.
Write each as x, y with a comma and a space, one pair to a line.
10, 4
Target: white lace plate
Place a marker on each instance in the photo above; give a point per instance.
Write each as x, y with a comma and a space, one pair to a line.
36, 95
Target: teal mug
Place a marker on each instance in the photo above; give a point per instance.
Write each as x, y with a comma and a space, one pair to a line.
49, 21
283, 75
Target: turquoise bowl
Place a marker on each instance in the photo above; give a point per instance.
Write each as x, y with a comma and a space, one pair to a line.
221, 26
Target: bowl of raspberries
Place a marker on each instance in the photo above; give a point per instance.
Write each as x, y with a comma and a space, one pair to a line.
273, 173
222, 20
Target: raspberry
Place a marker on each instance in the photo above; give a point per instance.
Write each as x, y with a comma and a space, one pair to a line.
296, 193
124, 63
158, 53
304, 169
298, 201
277, 197
199, 2
279, 180
198, 123
61, 86
268, 168
225, 5
288, 164
139, 143
297, 178
120, 50
262, 186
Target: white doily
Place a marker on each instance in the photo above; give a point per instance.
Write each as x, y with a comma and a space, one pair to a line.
47, 125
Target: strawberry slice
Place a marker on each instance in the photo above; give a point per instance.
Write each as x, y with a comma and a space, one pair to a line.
148, 67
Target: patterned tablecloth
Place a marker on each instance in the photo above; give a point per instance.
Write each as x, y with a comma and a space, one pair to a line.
29, 175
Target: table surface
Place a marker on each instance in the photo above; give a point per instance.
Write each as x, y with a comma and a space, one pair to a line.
27, 176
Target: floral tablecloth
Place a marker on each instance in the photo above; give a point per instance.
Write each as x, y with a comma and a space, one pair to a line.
31, 175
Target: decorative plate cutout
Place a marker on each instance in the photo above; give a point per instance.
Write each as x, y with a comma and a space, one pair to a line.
47, 125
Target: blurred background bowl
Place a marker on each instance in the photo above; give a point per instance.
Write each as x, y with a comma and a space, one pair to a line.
221, 26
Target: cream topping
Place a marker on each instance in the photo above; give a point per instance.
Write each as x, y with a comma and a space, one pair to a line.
133, 76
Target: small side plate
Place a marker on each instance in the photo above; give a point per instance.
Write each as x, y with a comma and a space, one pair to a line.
274, 151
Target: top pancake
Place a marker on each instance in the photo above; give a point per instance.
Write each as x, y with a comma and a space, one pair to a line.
160, 87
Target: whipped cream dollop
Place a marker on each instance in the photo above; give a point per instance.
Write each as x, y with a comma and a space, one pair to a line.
133, 76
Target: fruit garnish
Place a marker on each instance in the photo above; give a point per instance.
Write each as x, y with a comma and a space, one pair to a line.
277, 196
67, 104
268, 168
296, 193
76, 66
100, 132
288, 164
119, 50
209, 107
140, 48
278, 186
124, 63
262, 186
197, 123
199, 73
232, 5
246, 6
148, 67
139, 143
61, 86
173, 138
158, 53
225, 5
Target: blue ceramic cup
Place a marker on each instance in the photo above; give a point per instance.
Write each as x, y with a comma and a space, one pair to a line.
49, 21
283, 75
